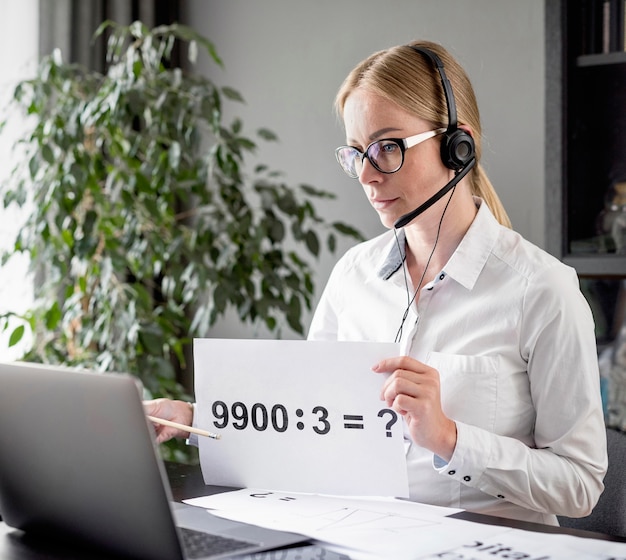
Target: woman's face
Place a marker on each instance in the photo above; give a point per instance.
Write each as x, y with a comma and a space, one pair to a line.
369, 117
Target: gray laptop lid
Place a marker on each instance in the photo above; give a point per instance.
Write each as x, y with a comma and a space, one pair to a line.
78, 459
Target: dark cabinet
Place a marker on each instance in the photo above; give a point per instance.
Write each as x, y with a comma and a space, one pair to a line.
586, 150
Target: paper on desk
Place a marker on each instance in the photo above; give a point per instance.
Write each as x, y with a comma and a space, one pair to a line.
369, 527
298, 415
308, 506
399, 529
517, 543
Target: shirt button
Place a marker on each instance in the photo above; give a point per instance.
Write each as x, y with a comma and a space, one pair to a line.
429, 289
500, 496
467, 478
451, 472
442, 276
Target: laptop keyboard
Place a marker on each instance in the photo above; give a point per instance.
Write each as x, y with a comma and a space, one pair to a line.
197, 544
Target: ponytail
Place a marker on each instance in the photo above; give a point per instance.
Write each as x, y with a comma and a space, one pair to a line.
482, 187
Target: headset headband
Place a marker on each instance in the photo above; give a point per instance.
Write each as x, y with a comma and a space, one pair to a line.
447, 88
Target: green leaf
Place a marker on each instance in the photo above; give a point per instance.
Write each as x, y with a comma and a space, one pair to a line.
151, 341
267, 134
68, 237
276, 230
311, 191
52, 316
16, 335
47, 154
294, 313
312, 242
287, 203
232, 94
348, 230
137, 68
332, 243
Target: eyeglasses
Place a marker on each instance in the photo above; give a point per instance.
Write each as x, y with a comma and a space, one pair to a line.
386, 155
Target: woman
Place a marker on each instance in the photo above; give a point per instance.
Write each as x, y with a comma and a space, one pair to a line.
497, 378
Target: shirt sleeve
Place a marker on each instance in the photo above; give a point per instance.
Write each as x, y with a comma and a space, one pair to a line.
324, 325
563, 472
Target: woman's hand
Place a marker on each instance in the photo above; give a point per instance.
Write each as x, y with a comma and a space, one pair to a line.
413, 391
174, 411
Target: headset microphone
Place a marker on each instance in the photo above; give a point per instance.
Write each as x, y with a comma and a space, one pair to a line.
407, 218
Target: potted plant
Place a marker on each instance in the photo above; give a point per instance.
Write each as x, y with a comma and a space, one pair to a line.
145, 223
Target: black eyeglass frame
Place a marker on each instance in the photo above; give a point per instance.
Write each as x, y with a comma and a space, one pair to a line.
403, 143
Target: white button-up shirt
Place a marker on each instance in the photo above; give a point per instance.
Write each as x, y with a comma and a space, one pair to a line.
512, 337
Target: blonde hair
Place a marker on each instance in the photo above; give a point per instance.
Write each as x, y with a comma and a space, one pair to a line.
410, 80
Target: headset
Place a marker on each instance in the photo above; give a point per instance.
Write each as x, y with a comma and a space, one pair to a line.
457, 146
458, 151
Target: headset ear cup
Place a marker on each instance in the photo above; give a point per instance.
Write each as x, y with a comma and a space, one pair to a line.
457, 148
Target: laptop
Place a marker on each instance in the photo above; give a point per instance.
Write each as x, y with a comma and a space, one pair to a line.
78, 460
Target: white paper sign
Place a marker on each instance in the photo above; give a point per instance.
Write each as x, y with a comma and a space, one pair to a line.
299, 416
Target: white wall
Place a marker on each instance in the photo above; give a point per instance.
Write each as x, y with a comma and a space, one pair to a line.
288, 57
18, 59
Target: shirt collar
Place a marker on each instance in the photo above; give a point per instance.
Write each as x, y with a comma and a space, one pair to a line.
394, 257
468, 259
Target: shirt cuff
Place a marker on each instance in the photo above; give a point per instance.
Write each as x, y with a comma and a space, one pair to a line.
469, 458
193, 438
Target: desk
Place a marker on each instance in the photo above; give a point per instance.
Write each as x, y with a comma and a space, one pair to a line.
186, 482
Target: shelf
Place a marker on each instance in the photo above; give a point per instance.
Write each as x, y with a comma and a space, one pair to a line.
601, 59
597, 265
